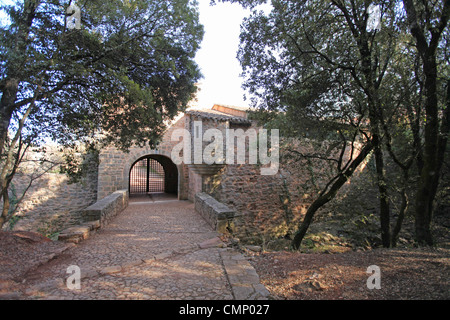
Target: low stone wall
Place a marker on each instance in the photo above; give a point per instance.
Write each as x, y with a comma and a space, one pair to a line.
96, 216
106, 208
218, 215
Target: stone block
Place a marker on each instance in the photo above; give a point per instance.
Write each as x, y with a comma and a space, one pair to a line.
74, 234
163, 255
106, 208
242, 291
93, 225
217, 214
70, 237
211, 243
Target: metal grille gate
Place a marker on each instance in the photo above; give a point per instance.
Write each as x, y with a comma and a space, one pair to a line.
146, 176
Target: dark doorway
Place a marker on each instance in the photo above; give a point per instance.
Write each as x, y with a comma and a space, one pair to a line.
153, 174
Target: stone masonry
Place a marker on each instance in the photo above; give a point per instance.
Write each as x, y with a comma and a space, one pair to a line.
115, 166
240, 186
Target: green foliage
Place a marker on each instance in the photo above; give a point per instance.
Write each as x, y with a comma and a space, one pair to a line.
315, 65
129, 68
116, 80
78, 163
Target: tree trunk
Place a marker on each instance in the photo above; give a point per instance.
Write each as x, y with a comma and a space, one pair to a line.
403, 208
326, 196
9, 96
435, 139
429, 176
6, 204
383, 195
435, 145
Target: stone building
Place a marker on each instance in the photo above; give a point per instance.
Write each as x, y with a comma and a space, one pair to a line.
143, 170
264, 206
255, 198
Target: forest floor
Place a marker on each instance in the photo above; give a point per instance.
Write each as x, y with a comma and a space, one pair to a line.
331, 265
405, 273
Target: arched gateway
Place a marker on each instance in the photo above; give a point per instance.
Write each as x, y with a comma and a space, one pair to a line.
153, 174
145, 170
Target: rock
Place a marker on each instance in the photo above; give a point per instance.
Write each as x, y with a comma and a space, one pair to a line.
163, 255
93, 225
110, 270
89, 273
70, 237
31, 237
235, 241
316, 284
74, 234
254, 248
211, 243
148, 260
315, 275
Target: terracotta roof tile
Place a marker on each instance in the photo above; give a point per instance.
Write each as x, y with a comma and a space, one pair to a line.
217, 115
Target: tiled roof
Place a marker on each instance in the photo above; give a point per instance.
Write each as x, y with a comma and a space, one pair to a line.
233, 107
217, 115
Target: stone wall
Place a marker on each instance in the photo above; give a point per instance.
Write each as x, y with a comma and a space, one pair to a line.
107, 208
52, 203
195, 184
218, 215
271, 206
262, 201
115, 165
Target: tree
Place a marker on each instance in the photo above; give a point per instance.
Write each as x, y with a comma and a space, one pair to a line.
320, 59
428, 24
117, 79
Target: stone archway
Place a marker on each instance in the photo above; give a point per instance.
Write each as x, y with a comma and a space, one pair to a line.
115, 165
175, 178
153, 174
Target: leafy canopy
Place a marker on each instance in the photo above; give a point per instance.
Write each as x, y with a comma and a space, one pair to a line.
119, 78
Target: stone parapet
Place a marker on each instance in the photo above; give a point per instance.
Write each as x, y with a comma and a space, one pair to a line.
106, 208
217, 214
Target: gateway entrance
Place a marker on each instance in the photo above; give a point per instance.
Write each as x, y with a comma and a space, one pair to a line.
153, 174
